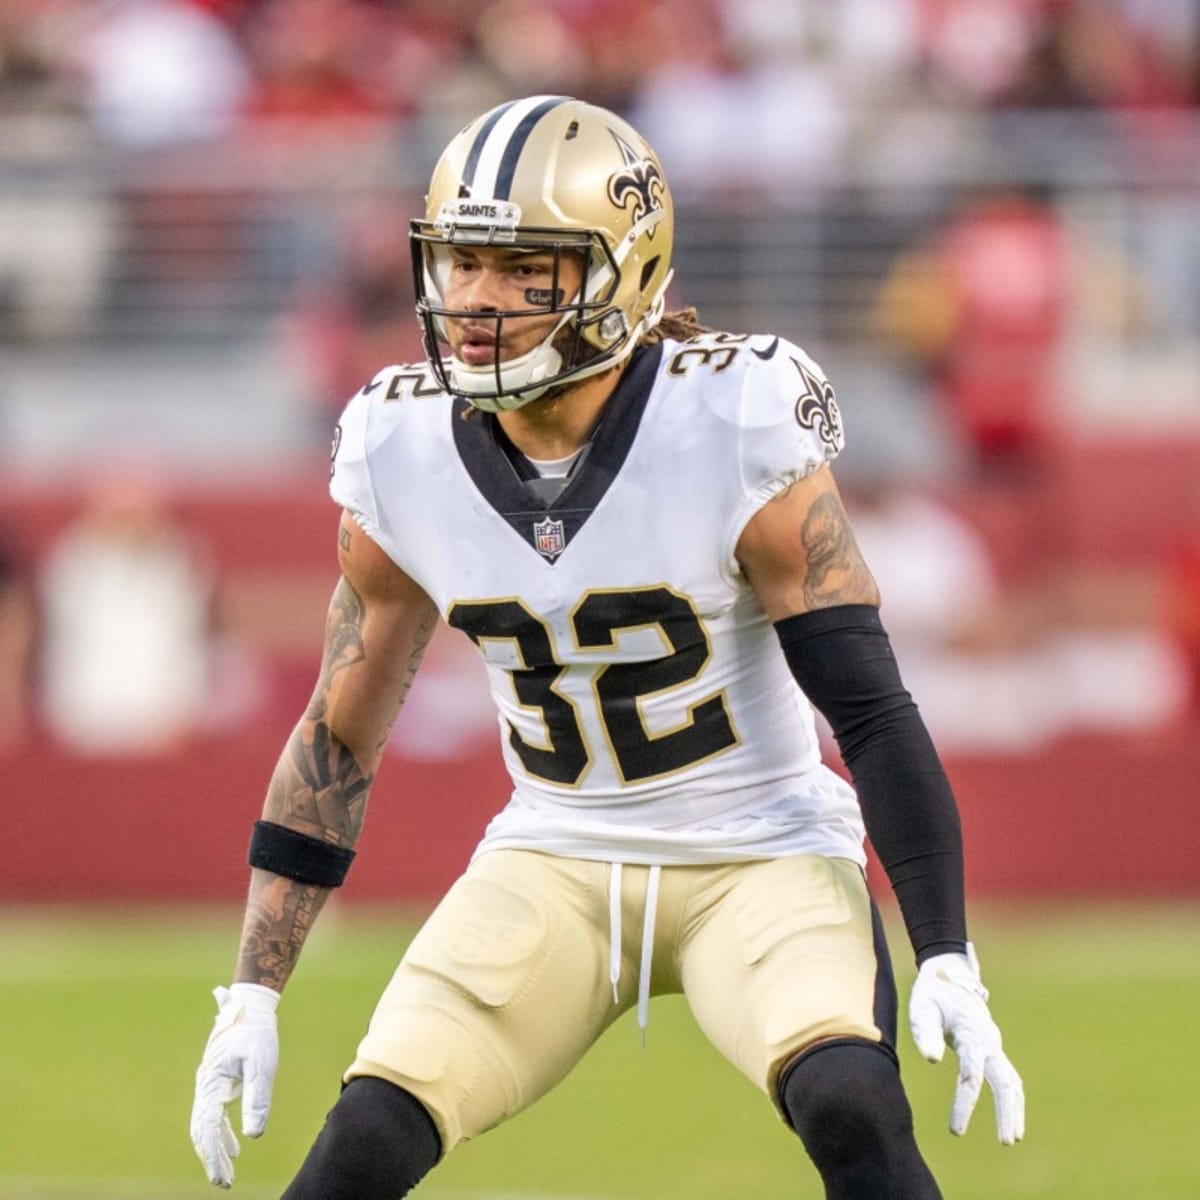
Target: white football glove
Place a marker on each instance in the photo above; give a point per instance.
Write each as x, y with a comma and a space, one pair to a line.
949, 1004
239, 1060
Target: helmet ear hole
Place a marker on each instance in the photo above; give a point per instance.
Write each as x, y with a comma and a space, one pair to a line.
648, 273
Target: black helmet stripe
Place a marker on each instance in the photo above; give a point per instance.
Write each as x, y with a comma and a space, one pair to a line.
481, 137
516, 143
491, 162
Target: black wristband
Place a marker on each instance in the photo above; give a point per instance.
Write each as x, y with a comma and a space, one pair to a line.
297, 856
842, 659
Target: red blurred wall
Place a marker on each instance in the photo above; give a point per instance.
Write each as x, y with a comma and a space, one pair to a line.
1099, 817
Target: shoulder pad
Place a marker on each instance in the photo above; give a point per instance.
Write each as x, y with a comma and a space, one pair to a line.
784, 384
782, 406
369, 420
760, 381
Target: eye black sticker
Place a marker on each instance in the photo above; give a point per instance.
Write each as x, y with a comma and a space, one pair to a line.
544, 297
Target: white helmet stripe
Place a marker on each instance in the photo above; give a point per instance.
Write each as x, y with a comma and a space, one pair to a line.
504, 142
488, 125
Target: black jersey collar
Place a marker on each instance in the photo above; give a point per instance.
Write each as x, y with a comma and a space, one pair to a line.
499, 472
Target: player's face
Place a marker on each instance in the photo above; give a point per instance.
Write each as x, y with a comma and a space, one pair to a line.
485, 280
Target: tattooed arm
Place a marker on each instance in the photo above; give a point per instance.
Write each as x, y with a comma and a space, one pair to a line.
799, 552
378, 626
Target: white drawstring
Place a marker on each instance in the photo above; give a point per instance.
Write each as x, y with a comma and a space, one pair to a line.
614, 946
614, 929
643, 1011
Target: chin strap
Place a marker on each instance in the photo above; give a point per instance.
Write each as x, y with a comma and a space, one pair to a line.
478, 385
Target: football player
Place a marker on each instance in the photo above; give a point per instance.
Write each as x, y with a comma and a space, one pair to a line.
636, 523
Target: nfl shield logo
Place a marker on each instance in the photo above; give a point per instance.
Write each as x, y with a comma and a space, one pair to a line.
549, 537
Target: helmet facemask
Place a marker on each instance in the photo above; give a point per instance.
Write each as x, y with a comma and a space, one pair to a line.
583, 341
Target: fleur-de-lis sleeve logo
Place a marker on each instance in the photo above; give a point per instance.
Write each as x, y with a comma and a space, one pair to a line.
334, 448
641, 179
816, 408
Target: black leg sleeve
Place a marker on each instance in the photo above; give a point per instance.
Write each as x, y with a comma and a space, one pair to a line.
377, 1143
846, 1102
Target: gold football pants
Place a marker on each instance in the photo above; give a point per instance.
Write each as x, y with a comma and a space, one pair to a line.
530, 957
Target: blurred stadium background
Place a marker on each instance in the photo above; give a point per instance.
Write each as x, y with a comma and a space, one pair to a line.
980, 216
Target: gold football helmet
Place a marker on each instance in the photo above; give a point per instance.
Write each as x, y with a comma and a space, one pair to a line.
548, 173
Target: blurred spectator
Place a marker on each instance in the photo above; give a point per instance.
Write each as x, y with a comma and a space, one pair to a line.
33, 80
57, 227
968, 652
1055, 54
869, 46
126, 603
1108, 56
532, 46
1008, 669
56, 247
763, 115
311, 60
982, 308
157, 73
934, 568
342, 329
16, 648
423, 52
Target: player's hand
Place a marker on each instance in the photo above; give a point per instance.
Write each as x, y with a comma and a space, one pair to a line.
949, 1005
239, 1060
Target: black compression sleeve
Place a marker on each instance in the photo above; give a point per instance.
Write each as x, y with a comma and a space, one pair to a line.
843, 661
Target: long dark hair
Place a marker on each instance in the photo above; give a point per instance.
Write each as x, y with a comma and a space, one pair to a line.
679, 325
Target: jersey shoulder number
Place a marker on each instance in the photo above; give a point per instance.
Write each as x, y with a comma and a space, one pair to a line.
712, 352
406, 381
372, 419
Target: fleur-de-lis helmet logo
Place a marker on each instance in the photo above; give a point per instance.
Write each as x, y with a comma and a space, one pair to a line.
641, 180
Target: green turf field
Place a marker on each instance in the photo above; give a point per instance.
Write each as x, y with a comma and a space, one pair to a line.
103, 1020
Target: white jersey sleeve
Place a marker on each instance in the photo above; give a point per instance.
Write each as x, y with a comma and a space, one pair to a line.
391, 438
350, 469
782, 412
790, 423
381, 436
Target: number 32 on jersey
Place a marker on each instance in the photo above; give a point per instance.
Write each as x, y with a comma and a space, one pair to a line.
620, 687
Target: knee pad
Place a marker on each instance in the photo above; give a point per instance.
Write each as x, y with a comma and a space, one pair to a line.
845, 1100
377, 1143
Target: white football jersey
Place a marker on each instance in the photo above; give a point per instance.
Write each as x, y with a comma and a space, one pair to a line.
647, 714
